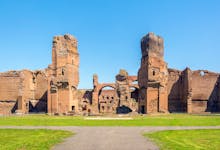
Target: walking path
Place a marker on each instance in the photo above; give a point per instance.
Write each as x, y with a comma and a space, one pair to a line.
107, 138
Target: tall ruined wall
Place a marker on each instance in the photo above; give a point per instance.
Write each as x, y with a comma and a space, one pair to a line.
9, 85
40, 85
174, 91
193, 91
128, 98
27, 86
179, 90
39, 103
152, 76
205, 91
63, 76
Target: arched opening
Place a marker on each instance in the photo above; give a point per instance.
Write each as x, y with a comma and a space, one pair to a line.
134, 93
106, 99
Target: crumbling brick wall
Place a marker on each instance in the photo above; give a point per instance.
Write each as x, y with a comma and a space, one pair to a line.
39, 103
153, 76
84, 96
30, 86
174, 91
9, 85
205, 91
63, 75
159, 89
195, 92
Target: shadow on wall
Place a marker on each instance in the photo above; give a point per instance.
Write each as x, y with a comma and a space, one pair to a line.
213, 104
40, 106
204, 98
175, 100
15, 107
88, 96
123, 110
205, 91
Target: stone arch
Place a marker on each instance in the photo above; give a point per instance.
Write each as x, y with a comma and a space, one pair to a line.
102, 86
134, 90
106, 98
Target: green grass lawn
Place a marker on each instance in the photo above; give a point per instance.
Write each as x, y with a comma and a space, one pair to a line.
149, 120
187, 139
19, 139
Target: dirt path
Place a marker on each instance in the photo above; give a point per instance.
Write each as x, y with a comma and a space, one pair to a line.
108, 138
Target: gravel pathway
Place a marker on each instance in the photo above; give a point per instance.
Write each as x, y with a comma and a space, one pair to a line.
108, 138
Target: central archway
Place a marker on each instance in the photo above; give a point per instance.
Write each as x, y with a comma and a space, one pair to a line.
107, 99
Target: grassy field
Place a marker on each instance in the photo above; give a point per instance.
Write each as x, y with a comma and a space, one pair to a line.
149, 120
13, 139
187, 139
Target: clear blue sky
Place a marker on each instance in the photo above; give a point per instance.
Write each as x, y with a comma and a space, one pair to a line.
109, 33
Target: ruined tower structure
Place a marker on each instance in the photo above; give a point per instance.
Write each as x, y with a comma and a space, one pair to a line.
63, 76
163, 89
155, 89
153, 76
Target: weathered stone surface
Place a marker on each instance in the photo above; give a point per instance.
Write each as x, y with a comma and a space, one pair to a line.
127, 93
115, 97
19, 88
153, 76
63, 76
155, 89
152, 46
193, 91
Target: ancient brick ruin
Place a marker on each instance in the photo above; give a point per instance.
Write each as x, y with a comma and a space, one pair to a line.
21, 91
122, 98
153, 76
155, 89
63, 76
